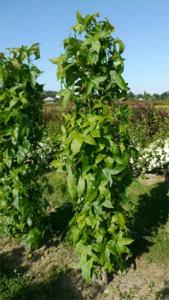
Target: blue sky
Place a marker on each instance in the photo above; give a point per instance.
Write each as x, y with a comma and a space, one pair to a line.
143, 25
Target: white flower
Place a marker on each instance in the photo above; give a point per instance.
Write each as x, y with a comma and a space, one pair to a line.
155, 156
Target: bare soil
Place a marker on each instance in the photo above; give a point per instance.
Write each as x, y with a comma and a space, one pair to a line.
143, 279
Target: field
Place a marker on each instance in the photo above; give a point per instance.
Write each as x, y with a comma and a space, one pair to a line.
48, 273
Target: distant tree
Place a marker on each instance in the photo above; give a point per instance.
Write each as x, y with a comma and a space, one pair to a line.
156, 97
50, 94
130, 95
147, 96
165, 95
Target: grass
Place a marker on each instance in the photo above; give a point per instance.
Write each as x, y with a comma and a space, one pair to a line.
22, 287
59, 196
159, 250
149, 224
149, 227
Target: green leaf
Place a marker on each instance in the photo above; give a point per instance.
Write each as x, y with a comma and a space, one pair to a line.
117, 170
91, 221
89, 88
66, 94
109, 162
121, 245
107, 203
108, 174
111, 245
13, 102
76, 144
118, 79
89, 140
98, 79
95, 133
105, 259
81, 186
55, 60
56, 163
16, 201
93, 58
96, 46
75, 233
78, 27
105, 193
81, 221
126, 241
92, 195
86, 269
79, 18
32, 239
99, 235
121, 220
99, 158
115, 149
71, 183
101, 35
90, 19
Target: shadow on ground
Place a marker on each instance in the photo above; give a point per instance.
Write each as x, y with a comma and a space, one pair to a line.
163, 294
15, 284
12, 261
57, 221
151, 212
58, 287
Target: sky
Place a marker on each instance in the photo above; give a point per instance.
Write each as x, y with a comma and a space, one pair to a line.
143, 25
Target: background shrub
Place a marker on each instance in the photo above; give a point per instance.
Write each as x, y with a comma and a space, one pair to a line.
148, 123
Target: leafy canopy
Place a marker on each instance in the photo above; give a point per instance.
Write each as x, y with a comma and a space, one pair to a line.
21, 203
95, 148
91, 65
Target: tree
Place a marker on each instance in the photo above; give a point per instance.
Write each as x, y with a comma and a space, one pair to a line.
95, 147
21, 202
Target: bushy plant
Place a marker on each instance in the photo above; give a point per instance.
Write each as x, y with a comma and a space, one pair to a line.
148, 123
95, 147
21, 202
149, 131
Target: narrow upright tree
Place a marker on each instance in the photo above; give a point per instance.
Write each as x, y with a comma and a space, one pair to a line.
96, 149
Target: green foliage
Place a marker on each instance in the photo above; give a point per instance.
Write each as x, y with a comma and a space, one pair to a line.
95, 149
91, 66
148, 123
21, 203
12, 285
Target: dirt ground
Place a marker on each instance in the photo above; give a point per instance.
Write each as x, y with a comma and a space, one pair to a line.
142, 280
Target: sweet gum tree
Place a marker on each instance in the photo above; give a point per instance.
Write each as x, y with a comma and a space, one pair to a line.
21, 202
95, 147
